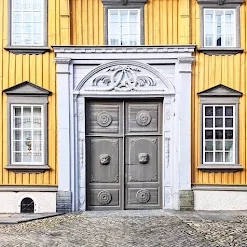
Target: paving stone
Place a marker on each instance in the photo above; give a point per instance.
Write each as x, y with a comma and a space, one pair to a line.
154, 228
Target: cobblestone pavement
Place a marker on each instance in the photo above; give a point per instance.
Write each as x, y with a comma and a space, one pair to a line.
126, 228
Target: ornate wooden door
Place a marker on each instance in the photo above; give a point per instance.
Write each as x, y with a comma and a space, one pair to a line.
123, 154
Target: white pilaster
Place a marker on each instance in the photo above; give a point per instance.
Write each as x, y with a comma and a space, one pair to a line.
63, 125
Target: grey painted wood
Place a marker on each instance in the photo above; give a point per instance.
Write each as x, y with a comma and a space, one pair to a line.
123, 154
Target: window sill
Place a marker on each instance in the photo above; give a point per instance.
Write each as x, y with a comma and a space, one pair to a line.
220, 51
220, 168
27, 168
27, 49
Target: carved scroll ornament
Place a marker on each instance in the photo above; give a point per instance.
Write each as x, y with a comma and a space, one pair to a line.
123, 78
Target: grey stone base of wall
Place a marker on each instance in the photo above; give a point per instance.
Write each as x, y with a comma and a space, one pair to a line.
186, 199
64, 201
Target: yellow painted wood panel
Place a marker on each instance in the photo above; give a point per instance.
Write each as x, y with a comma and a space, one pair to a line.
209, 71
40, 70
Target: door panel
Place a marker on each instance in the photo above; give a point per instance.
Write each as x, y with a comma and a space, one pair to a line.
104, 176
104, 117
142, 168
143, 118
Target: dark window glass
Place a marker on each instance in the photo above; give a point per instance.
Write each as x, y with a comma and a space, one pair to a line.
27, 205
218, 122
219, 111
229, 111
208, 134
209, 111
229, 122
229, 134
219, 134
209, 122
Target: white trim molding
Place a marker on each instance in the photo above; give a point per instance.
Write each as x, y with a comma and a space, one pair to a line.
157, 72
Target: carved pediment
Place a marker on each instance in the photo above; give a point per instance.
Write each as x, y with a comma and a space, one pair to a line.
220, 91
26, 88
125, 76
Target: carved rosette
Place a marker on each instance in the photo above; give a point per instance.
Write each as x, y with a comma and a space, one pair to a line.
143, 118
104, 197
143, 158
104, 119
142, 196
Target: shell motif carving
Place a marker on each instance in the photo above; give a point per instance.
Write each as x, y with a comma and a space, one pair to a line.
142, 196
104, 159
104, 197
104, 119
143, 118
143, 158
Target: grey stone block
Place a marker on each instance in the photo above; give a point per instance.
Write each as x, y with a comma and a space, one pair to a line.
64, 201
186, 200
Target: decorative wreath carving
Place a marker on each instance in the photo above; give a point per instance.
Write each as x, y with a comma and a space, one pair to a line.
104, 119
104, 159
142, 196
143, 118
104, 197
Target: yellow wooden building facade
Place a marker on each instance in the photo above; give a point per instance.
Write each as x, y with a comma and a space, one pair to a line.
81, 23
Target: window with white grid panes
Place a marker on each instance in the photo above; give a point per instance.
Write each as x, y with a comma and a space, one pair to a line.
27, 134
219, 28
27, 22
219, 134
124, 27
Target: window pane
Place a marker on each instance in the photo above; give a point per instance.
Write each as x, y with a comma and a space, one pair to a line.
209, 157
37, 5
133, 15
218, 122
124, 29
17, 123
37, 17
133, 29
17, 16
17, 4
208, 134
113, 28
229, 134
124, 40
36, 146
209, 111
229, 122
26, 111
27, 17
209, 40
219, 145
208, 122
218, 41
37, 157
27, 122
17, 157
133, 40
124, 15
229, 145
17, 134
113, 40
17, 111
113, 16
27, 157
37, 135
209, 146
17, 146
27, 4
219, 134
219, 157
229, 111
219, 111
229, 156
17, 39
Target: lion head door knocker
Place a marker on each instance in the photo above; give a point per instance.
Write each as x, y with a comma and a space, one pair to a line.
28, 143
143, 158
104, 159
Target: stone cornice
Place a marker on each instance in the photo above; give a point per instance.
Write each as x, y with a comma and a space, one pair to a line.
62, 60
186, 59
124, 49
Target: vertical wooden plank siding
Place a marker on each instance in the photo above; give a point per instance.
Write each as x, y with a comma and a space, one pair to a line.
209, 71
40, 70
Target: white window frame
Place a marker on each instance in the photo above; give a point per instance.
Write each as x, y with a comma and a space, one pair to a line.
32, 34
219, 128
32, 129
215, 28
119, 23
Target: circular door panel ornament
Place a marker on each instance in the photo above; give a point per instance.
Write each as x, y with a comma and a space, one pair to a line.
143, 118
104, 119
104, 197
142, 196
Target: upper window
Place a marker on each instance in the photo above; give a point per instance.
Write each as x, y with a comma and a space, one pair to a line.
27, 22
219, 27
219, 129
123, 27
124, 22
27, 123
27, 26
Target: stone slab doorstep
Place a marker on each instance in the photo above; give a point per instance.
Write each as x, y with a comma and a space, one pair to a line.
20, 218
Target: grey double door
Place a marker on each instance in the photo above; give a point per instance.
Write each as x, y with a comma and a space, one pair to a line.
124, 141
